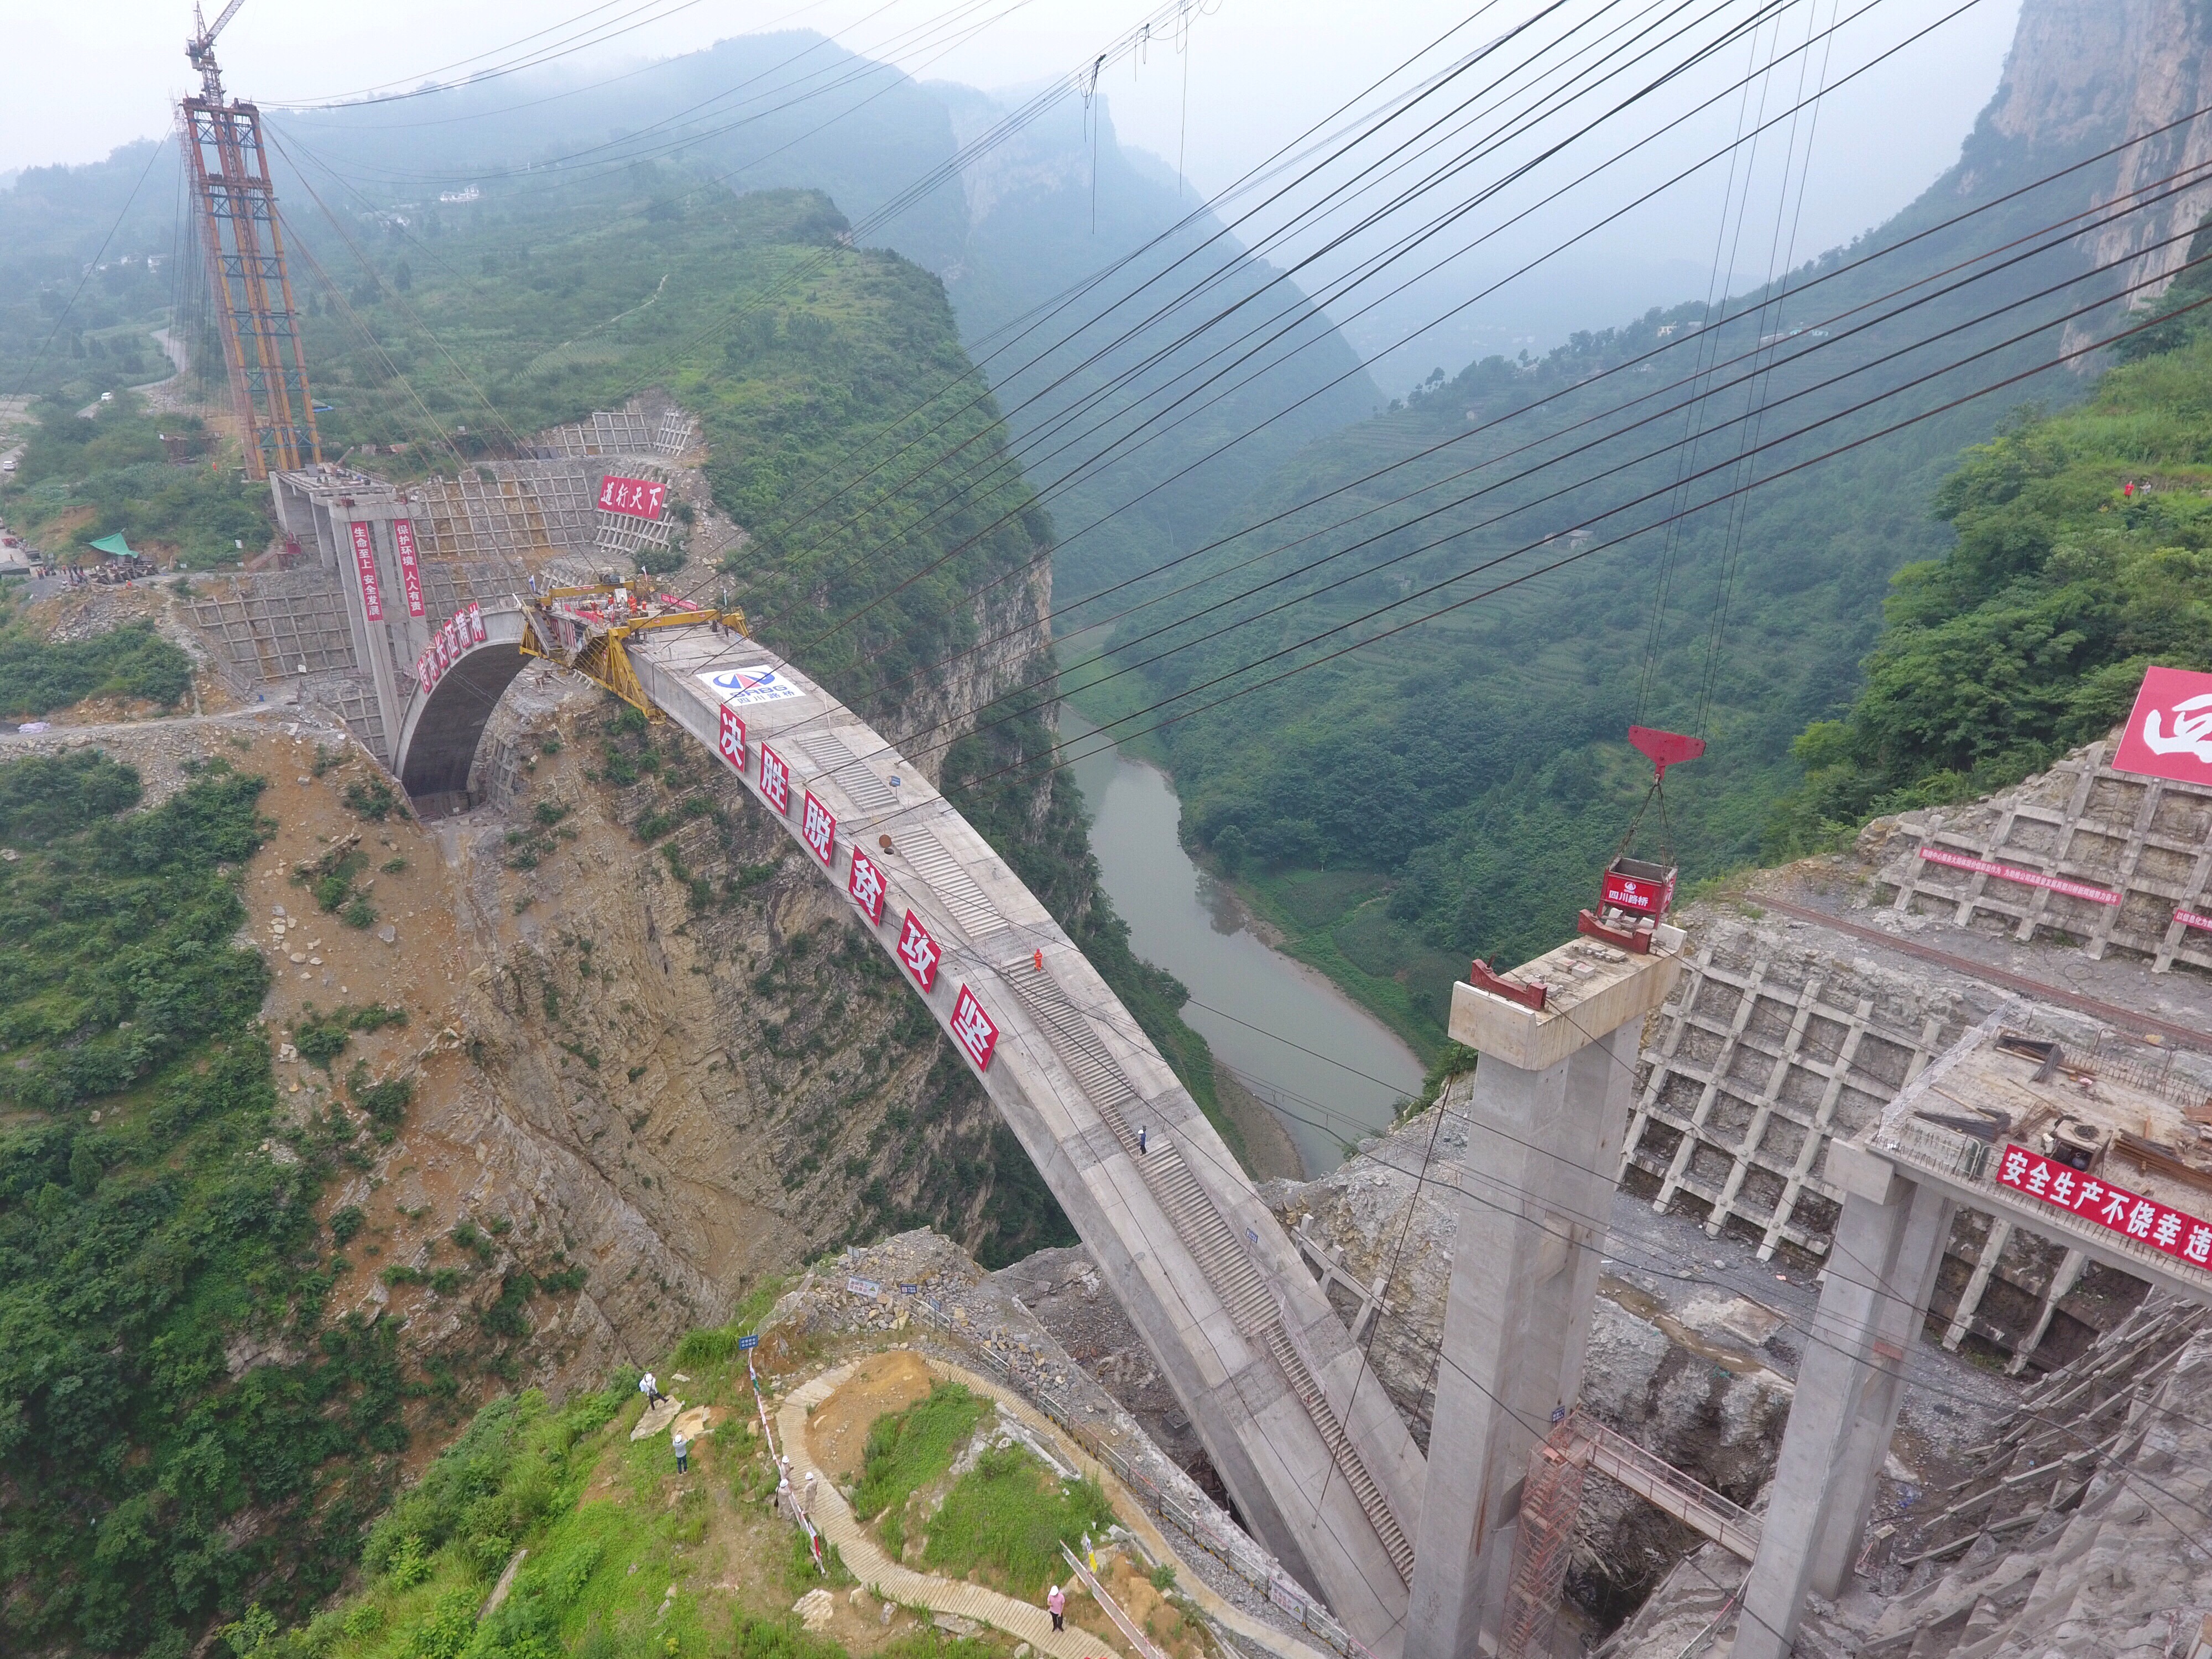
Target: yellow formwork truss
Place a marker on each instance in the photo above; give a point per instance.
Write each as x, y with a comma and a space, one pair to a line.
603, 659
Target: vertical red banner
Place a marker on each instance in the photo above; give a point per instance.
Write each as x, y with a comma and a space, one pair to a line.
730, 740
410, 571
976, 1031
364, 561
866, 886
774, 780
919, 951
818, 827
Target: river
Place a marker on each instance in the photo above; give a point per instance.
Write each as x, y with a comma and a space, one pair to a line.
1329, 1071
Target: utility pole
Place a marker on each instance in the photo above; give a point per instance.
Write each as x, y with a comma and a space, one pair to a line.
243, 243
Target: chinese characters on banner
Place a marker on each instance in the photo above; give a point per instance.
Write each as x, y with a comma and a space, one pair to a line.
730, 740
364, 561
2146, 1220
973, 1029
818, 829
2169, 733
866, 885
411, 569
2026, 877
461, 635
919, 951
775, 780
634, 498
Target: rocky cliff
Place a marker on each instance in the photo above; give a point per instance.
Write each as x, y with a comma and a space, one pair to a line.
2084, 76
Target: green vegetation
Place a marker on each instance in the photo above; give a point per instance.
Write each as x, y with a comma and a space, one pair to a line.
321, 1038
38, 676
908, 1449
43, 797
145, 1481
1004, 1520
2030, 637
83, 478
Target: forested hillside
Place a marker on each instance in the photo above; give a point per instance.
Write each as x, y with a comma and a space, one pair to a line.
1688, 521
2084, 553
181, 1430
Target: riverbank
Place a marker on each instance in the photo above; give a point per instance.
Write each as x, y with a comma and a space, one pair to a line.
1311, 1066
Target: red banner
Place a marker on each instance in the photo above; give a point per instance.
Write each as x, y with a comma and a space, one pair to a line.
818, 827
2169, 732
919, 951
2026, 877
774, 780
974, 1029
866, 886
410, 572
364, 561
634, 498
2174, 1232
2191, 919
730, 740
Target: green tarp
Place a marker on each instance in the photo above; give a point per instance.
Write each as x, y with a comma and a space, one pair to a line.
114, 546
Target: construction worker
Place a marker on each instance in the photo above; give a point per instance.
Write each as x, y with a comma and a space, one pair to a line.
1055, 1603
651, 1389
682, 1452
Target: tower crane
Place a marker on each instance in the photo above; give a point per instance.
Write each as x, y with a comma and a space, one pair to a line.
200, 49
242, 244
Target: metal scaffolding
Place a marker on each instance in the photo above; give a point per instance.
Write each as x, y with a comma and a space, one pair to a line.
235, 203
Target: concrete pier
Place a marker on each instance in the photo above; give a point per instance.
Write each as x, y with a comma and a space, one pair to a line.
1882, 1271
1549, 1108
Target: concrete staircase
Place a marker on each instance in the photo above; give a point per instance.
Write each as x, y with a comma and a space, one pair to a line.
1229, 1268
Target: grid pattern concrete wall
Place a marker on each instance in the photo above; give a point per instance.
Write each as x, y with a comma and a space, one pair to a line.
526, 509
263, 627
1766, 1051
448, 585
1760, 1057
626, 431
2081, 823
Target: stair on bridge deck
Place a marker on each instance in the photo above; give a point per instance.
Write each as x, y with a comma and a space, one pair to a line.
1229, 1268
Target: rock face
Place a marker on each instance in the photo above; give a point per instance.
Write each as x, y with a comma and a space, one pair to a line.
2077, 1530
2086, 75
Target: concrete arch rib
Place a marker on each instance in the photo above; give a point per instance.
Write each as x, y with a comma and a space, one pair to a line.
1303, 1436
440, 732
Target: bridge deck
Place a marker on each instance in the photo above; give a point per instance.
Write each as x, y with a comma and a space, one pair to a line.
1302, 1432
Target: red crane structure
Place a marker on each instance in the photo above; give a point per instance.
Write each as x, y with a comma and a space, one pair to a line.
243, 243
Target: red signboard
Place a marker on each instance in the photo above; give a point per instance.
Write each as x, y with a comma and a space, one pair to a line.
2169, 733
1943, 855
2191, 919
364, 561
775, 780
1643, 898
410, 571
865, 884
919, 951
634, 498
730, 741
974, 1029
818, 827
2181, 1236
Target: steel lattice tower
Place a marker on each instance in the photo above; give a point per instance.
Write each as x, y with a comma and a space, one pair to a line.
243, 244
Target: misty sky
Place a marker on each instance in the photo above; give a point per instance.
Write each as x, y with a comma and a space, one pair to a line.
1257, 71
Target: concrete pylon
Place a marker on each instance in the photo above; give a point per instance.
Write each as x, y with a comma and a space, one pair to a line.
1882, 1271
1533, 1181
